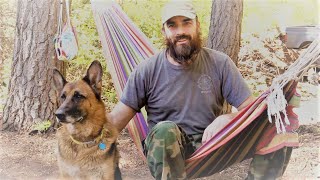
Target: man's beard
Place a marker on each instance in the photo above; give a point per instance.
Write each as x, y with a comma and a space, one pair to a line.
184, 53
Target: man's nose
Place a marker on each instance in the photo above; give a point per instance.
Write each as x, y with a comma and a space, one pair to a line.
180, 31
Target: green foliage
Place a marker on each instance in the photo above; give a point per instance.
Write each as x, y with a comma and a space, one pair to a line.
260, 15
89, 47
111, 95
7, 26
7, 22
146, 15
88, 39
42, 126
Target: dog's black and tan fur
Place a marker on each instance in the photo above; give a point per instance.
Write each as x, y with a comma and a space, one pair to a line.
84, 127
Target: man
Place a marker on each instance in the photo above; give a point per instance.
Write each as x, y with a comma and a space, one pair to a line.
182, 88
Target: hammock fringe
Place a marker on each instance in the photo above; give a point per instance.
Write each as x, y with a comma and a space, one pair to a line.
276, 100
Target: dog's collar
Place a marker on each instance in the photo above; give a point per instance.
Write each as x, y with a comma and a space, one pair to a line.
97, 140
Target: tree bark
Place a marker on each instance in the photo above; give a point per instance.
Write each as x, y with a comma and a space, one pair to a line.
225, 31
31, 98
225, 27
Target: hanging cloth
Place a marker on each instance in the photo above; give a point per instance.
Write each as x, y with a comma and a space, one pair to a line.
65, 42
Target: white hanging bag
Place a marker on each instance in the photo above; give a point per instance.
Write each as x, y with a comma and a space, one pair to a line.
66, 44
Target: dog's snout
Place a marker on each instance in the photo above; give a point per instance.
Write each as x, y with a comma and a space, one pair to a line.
61, 116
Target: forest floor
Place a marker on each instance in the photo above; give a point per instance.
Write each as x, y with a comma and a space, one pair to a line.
33, 157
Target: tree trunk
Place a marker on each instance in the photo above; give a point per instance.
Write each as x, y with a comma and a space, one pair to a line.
225, 27
31, 99
225, 31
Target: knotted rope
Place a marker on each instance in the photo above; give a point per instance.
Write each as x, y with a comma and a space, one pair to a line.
276, 100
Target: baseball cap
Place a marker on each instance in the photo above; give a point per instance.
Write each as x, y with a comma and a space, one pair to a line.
178, 8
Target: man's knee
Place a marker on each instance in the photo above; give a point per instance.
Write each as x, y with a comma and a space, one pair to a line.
163, 134
165, 128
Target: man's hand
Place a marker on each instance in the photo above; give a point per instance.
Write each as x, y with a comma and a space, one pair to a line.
221, 121
218, 124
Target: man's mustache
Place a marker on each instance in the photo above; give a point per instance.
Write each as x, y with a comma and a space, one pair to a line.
182, 37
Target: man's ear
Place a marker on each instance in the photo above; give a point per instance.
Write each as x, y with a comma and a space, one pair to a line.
94, 77
58, 80
163, 31
198, 24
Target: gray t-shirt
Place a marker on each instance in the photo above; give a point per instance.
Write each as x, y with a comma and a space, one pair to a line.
191, 97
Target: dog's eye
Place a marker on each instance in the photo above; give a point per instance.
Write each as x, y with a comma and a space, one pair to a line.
78, 95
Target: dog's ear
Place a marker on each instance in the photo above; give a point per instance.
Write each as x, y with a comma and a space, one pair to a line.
58, 80
93, 77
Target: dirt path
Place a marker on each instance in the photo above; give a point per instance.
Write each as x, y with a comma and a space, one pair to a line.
33, 157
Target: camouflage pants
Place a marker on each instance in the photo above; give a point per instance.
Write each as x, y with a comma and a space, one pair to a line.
167, 146
269, 166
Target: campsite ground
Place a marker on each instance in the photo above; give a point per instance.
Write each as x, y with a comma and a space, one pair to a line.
33, 157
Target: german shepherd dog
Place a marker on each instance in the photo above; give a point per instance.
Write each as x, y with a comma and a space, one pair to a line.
86, 140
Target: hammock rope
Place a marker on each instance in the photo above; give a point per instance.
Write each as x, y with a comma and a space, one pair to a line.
276, 101
124, 46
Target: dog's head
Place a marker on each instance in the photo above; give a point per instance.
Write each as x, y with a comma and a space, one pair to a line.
80, 98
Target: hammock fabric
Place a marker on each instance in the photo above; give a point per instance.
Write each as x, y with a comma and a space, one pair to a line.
125, 46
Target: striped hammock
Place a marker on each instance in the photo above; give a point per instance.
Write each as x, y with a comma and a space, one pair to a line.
124, 46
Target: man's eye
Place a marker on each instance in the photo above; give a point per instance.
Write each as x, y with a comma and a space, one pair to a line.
170, 25
187, 22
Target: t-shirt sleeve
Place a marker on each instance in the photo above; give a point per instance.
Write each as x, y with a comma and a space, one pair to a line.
234, 88
134, 93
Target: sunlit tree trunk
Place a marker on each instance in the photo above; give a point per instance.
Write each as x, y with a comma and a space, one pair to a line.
31, 98
225, 27
225, 30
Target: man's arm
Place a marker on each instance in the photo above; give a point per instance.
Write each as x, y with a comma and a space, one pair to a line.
121, 115
221, 121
